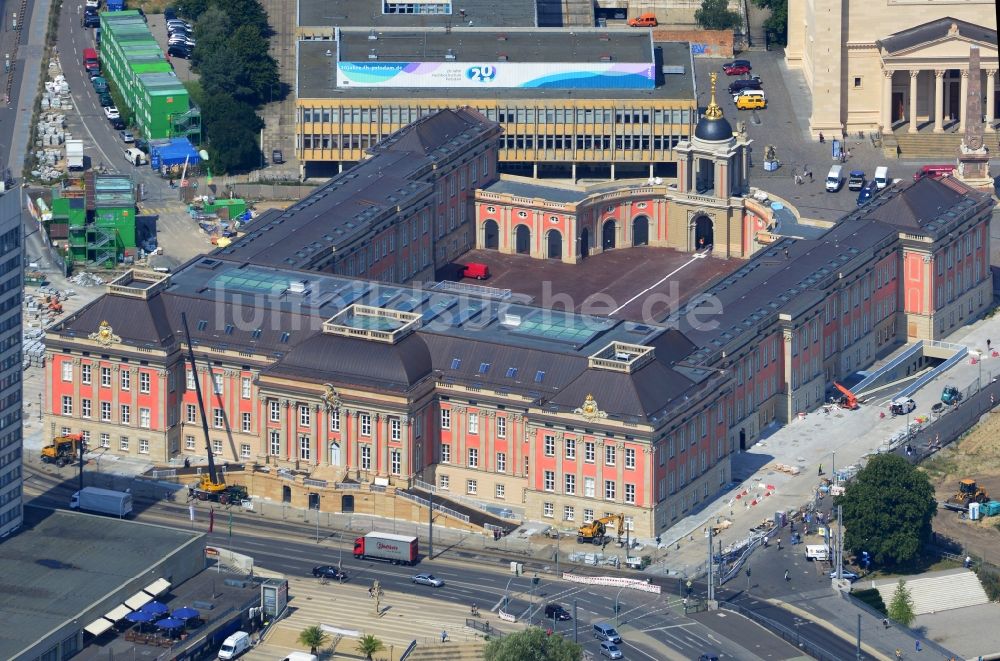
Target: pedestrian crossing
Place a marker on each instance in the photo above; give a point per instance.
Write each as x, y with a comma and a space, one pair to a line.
346, 612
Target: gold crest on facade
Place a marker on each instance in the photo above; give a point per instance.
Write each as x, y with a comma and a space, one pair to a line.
589, 409
105, 335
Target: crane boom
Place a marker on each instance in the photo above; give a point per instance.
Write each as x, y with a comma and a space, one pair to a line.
201, 404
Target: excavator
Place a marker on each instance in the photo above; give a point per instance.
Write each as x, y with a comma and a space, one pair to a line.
968, 492
210, 485
848, 399
595, 531
63, 449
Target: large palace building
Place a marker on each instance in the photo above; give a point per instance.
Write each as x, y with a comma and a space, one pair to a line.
560, 416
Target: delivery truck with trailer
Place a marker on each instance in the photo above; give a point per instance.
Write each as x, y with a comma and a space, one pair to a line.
397, 549
102, 501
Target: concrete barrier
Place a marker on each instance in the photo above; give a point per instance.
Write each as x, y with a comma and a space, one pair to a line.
613, 581
506, 617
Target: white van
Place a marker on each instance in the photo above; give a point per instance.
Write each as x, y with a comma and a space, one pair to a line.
835, 179
301, 656
134, 156
817, 552
235, 645
882, 176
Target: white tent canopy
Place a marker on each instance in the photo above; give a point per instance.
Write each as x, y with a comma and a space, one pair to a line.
158, 587
118, 613
138, 600
98, 626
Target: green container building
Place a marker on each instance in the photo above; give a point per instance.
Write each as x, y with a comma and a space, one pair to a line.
109, 234
150, 89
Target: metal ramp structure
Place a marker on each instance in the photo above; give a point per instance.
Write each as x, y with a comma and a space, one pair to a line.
909, 371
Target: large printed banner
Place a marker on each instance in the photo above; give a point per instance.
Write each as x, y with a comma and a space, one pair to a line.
459, 75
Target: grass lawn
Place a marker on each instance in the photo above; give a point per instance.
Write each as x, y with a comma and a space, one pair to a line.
148, 6
920, 566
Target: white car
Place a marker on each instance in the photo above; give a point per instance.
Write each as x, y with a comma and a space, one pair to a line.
428, 579
111, 112
611, 651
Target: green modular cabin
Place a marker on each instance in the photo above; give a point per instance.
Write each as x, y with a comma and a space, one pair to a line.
109, 234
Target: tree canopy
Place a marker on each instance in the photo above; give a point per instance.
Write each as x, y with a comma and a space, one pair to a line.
901, 606
233, 130
777, 22
887, 511
532, 644
716, 15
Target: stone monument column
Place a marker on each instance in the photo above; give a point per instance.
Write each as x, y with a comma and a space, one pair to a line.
973, 156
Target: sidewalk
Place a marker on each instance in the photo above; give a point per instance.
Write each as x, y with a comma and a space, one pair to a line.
29, 56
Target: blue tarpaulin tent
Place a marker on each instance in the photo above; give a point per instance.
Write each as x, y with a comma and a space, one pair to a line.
172, 152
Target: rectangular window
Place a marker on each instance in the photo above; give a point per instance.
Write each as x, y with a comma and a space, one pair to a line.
588, 452
67, 405
334, 419
305, 416
501, 462
125, 377
217, 383
548, 510
105, 377
144, 382
274, 410
123, 443
246, 422
609, 489
105, 411
610, 454
500, 491
549, 481
501, 427
570, 444
550, 446
445, 453
145, 419
105, 440
570, 483
445, 419
473, 457
67, 370
189, 442
274, 443
216, 446
629, 457
192, 413
471, 487
245, 389
85, 407
143, 446
244, 450
569, 512
85, 373
305, 448
218, 418
126, 414
366, 424
588, 487
366, 457
588, 515
444, 482
190, 380
473, 423
395, 429
395, 461
630, 494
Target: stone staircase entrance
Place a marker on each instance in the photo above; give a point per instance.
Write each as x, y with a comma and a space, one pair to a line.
471, 651
940, 592
928, 145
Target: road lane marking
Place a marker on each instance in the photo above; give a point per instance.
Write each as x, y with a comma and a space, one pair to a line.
657, 283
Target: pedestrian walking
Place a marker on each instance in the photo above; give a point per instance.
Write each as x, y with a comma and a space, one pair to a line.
987, 344
808, 173
899, 653
885, 623
444, 635
916, 645
968, 562
787, 576
822, 140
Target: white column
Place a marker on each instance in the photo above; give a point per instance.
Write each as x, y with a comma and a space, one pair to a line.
913, 100
938, 100
887, 101
991, 78
962, 94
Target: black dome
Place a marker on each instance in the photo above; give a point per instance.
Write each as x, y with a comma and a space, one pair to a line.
713, 129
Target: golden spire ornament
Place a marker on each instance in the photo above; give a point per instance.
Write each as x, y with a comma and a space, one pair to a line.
713, 111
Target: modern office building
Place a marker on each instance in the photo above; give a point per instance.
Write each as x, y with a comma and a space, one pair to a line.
900, 65
11, 287
587, 102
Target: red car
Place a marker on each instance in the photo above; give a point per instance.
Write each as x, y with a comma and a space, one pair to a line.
737, 67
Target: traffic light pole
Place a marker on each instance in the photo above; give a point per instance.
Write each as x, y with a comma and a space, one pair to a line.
81, 464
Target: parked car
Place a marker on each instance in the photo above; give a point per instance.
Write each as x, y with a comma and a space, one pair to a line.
117, 123
737, 67
105, 99
849, 575
558, 612
647, 20
869, 191
179, 50
856, 180
738, 86
428, 579
611, 651
329, 571
111, 112
127, 137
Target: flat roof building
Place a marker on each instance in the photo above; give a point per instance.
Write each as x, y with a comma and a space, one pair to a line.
11, 293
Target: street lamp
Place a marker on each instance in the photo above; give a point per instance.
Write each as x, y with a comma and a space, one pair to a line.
617, 607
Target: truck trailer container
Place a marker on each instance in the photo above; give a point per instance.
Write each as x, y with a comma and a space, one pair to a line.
74, 154
102, 501
397, 549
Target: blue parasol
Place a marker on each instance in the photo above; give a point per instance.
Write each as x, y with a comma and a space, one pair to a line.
155, 608
169, 623
185, 613
139, 617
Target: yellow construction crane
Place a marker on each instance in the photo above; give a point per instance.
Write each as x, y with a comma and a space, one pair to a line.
595, 532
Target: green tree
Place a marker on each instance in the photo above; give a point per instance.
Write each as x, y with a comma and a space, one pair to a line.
777, 22
532, 644
312, 637
190, 8
716, 15
245, 12
888, 510
233, 130
368, 645
901, 606
212, 32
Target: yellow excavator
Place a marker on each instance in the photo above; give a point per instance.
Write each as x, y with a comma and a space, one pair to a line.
595, 532
210, 486
968, 492
63, 449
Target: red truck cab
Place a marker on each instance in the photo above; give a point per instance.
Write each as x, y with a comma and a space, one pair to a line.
90, 60
476, 270
934, 171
